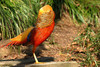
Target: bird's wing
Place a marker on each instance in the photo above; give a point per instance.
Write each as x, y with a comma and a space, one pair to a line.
22, 38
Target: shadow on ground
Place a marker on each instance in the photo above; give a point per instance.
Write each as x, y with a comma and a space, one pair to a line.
24, 62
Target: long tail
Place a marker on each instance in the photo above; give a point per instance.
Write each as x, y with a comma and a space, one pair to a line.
20, 39
8, 43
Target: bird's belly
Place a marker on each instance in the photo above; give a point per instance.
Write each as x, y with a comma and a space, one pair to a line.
41, 35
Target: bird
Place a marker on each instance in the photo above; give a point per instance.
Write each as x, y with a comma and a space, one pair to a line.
39, 33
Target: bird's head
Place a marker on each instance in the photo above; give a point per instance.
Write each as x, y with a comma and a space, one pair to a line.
46, 16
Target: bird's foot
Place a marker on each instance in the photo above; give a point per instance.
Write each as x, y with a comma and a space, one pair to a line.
39, 62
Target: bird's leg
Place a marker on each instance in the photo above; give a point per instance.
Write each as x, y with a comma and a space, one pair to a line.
36, 60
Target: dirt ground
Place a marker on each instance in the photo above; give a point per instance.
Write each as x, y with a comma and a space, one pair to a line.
56, 46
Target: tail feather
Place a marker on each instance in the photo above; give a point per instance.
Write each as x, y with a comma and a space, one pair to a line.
2, 46
9, 43
13, 43
3, 43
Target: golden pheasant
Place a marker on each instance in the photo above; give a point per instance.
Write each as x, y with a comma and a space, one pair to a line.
36, 35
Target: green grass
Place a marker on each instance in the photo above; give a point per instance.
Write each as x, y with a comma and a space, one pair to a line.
83, 11
90, 39
17, 15
87, 12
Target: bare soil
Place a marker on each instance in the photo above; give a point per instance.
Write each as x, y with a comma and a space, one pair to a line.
56, 46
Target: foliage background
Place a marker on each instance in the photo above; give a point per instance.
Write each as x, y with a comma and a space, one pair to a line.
17, 15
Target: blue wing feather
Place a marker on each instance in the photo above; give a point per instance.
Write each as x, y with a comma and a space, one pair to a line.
28, 37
